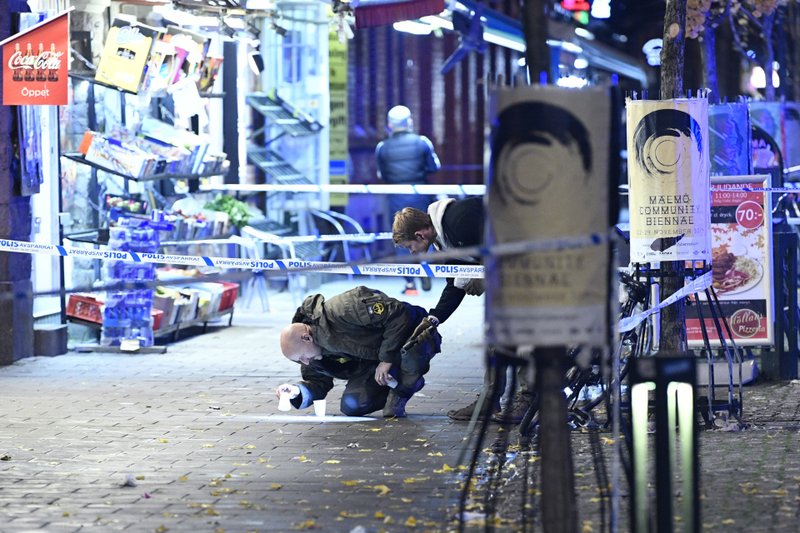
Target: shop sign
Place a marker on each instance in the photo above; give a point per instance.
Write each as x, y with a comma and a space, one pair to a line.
668, 178
741, 225
35, 64
549, 182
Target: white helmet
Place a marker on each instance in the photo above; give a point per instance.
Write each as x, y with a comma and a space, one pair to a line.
399, 118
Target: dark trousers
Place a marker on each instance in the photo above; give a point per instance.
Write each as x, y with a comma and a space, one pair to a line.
362, 394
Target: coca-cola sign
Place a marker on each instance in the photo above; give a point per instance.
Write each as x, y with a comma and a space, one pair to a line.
35, 64
745, 323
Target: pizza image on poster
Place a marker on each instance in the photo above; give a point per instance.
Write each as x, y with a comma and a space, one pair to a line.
740, 264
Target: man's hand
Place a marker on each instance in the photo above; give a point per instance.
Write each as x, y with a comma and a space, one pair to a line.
382, 373
474, 287
427, 322
292, 390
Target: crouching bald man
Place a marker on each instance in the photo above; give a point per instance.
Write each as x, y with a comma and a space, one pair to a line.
366, 338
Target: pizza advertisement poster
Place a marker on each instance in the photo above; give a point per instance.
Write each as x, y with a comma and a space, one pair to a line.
550, 152
668, 179
741, 227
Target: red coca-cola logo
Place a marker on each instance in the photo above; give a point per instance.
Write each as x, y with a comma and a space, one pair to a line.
745, 323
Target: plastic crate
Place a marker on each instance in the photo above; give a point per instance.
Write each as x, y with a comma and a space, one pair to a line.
85, 307
229, 295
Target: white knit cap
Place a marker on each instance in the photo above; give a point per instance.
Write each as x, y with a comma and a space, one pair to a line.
399, 117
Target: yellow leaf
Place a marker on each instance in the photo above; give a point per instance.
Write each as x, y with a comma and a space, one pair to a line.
161, 529
410, 480
608, 441
346, 514
262, 460
332, 461
183, 478
388, 520
303, 459
140, 478
163, 441
307, 524
778, 492
219, 530
587, 527
374, 429
276, 486
728, 522
351, 483
208, 445
411, 521
382, 490
250, 446
435, 454
211, 512
420, 440
379, 514
65, 513
365, 450
228, 476
406, 500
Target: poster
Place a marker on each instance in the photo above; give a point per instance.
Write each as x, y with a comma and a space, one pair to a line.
668, 179
549, 180
729, 139
35, 63
338, 127
741, 226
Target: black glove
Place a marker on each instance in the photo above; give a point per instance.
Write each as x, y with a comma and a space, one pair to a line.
474, 287
428, 323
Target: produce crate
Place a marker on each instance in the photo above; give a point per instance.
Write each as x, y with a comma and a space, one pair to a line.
85, 307
229, 295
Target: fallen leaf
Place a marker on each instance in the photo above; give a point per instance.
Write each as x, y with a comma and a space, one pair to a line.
212, 512
347, 514
219, 530
276, 486
161, 529
382, 490
406, 500
410, 480
351, 483
140, 478
374, 429
208, 445
420, 440
303, 459
778, 492
228, 476
379, 515
65, 513
250, 446
332, 461
183, 478
262, 460
587, 527
163, 441
411, 521
307, 524
435, 454
608, 441
728, 522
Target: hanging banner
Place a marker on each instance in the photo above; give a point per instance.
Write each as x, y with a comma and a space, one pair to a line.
549, 179
668, 178
741, 225
338, 123
35, 63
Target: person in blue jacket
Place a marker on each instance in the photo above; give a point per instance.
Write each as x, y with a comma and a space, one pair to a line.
406, 157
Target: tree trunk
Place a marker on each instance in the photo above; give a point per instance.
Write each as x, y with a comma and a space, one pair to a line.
537, 53
559, 510
673, 317
709, 54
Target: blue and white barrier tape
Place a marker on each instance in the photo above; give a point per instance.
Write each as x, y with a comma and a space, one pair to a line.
352, 188
376, 269
694, 286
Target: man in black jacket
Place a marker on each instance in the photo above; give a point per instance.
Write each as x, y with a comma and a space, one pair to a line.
361, 336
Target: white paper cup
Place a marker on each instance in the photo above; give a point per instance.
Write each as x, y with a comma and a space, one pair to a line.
285, 402
319, 407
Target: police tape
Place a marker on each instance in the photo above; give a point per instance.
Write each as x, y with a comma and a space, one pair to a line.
279, 265
694, 286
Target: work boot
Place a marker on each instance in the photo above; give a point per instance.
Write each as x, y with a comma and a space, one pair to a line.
514, 411
395, 406
426, 284
465, 413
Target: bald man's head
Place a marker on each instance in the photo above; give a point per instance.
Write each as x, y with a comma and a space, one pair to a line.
297, 344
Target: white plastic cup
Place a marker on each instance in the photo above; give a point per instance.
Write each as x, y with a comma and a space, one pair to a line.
285, 402
319, 407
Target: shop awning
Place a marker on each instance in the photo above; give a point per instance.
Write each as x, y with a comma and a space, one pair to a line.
380, 12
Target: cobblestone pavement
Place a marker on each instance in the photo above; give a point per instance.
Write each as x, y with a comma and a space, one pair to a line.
197, 431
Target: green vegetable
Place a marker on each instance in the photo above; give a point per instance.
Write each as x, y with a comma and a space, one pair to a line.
236, 209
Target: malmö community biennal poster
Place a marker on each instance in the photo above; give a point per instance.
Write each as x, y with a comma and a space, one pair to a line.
668, 177
549, 180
